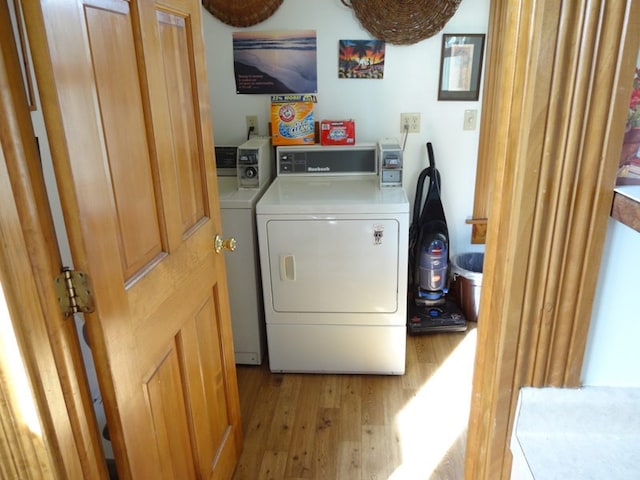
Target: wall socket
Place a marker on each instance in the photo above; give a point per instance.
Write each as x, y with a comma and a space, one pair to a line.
252, 121
412, 120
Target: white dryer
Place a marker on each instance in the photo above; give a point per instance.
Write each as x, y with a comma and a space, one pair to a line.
333, 255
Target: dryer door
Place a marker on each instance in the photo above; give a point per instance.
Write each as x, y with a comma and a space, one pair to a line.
334, 265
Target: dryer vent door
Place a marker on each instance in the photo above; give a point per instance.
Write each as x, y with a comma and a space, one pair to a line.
348, 266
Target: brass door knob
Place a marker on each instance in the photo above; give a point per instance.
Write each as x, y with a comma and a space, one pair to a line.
229, 244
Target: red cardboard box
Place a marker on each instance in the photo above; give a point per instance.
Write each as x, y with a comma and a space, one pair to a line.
337, 132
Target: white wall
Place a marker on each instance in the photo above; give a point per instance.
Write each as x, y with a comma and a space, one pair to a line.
409, 85
612, 357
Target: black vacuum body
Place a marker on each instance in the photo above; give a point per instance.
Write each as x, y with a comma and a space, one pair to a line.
429, 309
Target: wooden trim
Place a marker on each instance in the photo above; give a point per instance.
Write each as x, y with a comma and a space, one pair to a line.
29, 261
494, 84
626, 210
24, 453
478, 229
24, 55
558, 118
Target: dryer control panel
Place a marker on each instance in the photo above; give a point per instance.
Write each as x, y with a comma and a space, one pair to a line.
327, 160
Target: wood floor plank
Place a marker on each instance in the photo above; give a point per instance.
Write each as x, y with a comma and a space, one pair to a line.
349, 464
262, 414
372, 403
350, 421
300, 463
273, 465
376, 463
425, 352
259, 410
253, 380
452, 463
326, 452
357, 427
411, 378
394, 401
331, 392
280, 431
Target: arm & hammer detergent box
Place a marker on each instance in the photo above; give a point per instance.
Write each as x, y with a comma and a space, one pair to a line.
292, 119
337, 132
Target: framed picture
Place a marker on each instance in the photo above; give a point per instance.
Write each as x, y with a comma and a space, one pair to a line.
361, 59
275, 62
460, 66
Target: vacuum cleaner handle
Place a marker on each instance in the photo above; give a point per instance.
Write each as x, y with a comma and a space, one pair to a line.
429, 171
417, 204
432, 159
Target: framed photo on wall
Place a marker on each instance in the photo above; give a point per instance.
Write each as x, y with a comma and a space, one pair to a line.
461, 66
275, 62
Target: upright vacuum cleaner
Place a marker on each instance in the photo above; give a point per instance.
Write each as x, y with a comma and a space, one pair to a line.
429, 309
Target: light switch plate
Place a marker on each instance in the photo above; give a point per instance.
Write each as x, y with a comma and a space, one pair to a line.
470, 120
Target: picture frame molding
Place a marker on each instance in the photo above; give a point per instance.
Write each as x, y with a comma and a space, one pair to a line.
465, 78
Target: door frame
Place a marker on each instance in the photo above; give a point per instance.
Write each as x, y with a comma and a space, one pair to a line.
70, 445
504, 349
557, 92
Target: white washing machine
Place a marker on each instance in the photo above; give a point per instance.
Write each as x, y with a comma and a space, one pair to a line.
237, 208
333, 255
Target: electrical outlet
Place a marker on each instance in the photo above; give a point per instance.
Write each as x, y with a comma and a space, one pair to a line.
410, 122
470, 119
252, 121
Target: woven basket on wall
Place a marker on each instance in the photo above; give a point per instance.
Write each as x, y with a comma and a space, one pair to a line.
403, 22
241, 13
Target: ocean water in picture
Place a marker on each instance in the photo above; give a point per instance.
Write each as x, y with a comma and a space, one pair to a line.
275, 62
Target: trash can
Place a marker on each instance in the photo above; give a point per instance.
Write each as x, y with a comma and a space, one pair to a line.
467, 275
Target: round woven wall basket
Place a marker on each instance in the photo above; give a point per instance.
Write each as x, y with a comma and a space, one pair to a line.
403, 22
241, 13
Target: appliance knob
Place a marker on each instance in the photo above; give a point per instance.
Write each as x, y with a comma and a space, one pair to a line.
250, 172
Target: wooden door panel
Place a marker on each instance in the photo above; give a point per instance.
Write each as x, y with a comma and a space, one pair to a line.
173, 31
206, 384
130, 165
168, 410
195, 377
193, 260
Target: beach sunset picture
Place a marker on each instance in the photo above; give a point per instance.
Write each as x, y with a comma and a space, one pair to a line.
361, 59
275, 62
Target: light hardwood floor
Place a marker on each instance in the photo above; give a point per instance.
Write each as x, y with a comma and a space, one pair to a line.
350, 427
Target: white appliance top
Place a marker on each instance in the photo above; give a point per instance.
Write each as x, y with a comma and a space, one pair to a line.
331, 195
325, 180
233, 197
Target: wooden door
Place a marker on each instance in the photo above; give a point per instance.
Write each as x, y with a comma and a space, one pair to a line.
124, 94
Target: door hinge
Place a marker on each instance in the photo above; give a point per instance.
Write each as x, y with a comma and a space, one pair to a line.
72, 290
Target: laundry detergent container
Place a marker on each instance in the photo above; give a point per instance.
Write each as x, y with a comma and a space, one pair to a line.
467, 274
